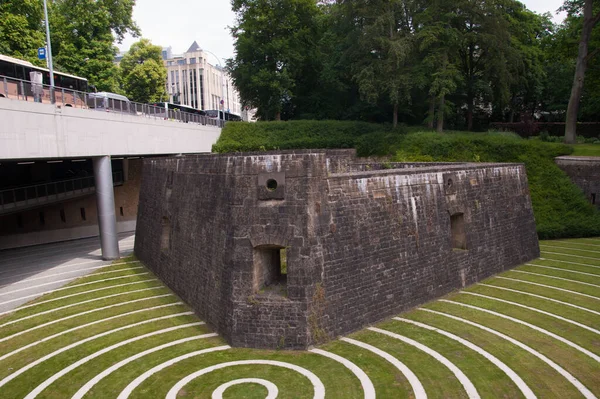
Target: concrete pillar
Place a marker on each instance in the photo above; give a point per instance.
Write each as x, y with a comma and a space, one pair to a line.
105, 199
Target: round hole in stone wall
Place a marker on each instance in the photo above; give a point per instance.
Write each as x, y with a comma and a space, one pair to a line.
449, 182
271, 184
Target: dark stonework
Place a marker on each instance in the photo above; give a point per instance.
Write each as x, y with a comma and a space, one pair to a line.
362, 241
585, 173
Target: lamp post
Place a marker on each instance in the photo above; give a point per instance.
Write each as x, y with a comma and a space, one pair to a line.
49, 52
222, 82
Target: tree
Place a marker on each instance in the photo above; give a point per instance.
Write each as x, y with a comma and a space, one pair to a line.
21, 28
83, 33
589, 17
438, 40
143, 74
382, 53
273, 42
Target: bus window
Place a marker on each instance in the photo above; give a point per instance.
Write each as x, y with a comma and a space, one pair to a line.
7, 69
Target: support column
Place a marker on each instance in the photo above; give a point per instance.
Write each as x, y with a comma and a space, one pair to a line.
105, 200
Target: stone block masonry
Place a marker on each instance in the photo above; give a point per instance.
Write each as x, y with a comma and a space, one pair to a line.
290, 249
585, 173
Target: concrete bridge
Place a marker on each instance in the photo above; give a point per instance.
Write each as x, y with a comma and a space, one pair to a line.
41, 136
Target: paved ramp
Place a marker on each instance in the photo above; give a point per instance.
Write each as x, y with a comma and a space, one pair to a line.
27, 273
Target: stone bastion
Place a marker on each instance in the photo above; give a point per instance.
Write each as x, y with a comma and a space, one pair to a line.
290, 249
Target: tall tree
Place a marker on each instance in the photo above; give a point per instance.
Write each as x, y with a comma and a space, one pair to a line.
438, 41
273, 39
143, 73
381, 58
83, 35
21, 28
589, 17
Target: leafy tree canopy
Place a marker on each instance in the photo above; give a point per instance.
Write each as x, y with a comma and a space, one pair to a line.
143, 73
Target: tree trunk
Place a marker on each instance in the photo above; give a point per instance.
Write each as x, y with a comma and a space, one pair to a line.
431, 112
582, 57
470, 114
395, 120
278, 116
440, 115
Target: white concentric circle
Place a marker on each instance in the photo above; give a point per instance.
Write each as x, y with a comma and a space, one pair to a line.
271, 388
318, 386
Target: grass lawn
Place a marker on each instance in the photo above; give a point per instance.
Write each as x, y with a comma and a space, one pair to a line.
588, 150
533, 331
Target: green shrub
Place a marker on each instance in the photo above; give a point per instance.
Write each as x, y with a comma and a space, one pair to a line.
367, 138
560, 208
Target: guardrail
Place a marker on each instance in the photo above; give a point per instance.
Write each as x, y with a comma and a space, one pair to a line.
28, 91
39, 194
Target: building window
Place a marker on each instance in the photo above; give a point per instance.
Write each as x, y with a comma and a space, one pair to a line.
181, 62
457, 228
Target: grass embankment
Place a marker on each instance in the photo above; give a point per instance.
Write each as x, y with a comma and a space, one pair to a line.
560, 208
586, 150
557, 295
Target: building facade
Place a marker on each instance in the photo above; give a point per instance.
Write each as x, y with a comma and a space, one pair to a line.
194, 82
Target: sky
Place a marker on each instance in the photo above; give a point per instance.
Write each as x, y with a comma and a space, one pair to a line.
177, 23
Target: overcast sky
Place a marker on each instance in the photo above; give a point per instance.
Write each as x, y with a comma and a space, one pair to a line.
177, 23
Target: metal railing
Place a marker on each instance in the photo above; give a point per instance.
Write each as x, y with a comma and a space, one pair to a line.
28, 91
37, 194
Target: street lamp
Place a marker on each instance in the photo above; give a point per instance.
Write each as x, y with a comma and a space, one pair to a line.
49, 55
222, 82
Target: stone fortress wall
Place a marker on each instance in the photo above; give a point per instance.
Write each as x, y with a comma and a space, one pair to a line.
362, 242
585, 173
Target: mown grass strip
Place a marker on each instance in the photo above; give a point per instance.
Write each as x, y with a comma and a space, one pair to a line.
561, 255
523, 387
67, 287
47, 276
61, 281
562, 270
569, 248
29, 366
415, 383
556, 389
593, 330
468, 386
570, 280
545, 298
548, 286
78, 304
319, 388
565, 264
388, 382
437, 379
365, 381
534, 327
83, 326
6, 338
37, 390
43, 302
576, 363
90, 384
573, 244
125, 393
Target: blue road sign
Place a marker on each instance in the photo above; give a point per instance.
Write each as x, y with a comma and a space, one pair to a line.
42, 53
